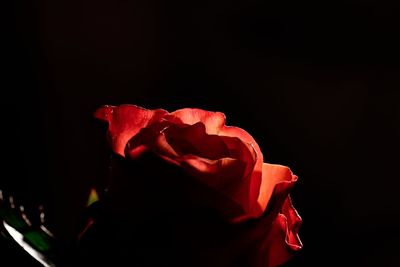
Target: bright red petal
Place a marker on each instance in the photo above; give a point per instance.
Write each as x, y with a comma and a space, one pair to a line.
126, 121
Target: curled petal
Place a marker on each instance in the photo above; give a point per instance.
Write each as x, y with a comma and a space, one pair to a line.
212, 153
213, 121
294, 222
224, 176
193, 139
150, 138
274, 250
220, 174
241, 150
215, 124
282, 240
275, 185
126, 121
276, 179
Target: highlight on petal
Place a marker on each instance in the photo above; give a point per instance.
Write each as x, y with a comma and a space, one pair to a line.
274, 177
213, 121
276, 183
125, 121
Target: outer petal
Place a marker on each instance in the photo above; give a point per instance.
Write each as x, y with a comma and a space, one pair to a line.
215, 124
282, 240
276, 179
294, 222
274, 250
126, 121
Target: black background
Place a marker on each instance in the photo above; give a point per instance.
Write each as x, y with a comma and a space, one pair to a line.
316, 84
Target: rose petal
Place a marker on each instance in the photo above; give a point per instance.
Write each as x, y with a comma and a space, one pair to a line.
125, 121
274, 250
215, 124
275, 179
283, 240
241, 150
220, 174
294, 222
149, 138
223, 176
213, 121
229, 176
256, 178
193, 139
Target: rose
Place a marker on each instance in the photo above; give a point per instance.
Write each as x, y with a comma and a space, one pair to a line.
227, 166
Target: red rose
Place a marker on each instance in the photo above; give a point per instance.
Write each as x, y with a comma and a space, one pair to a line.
240, 187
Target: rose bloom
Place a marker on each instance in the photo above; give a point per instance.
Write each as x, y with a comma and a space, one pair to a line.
187, 190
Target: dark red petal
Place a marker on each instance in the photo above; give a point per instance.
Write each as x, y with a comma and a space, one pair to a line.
126, 121
193, 139
223, 176
274, 250
149, 138
241, 150
282, 239
294, 222
220, 174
